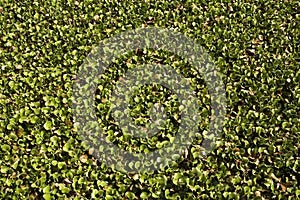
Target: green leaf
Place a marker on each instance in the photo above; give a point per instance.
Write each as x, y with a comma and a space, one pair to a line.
46, 189
47, 196
61, 165
48, 125
5, 147
137, 165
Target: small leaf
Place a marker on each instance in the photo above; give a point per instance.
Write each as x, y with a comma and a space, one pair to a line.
48, 125
47, 196
5, 147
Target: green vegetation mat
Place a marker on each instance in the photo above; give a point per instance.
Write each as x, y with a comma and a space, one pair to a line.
254, 45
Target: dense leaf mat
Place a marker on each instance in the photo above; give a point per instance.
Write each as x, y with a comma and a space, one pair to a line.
255, 45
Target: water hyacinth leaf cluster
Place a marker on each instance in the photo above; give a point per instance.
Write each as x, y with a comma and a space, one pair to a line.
255, 45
